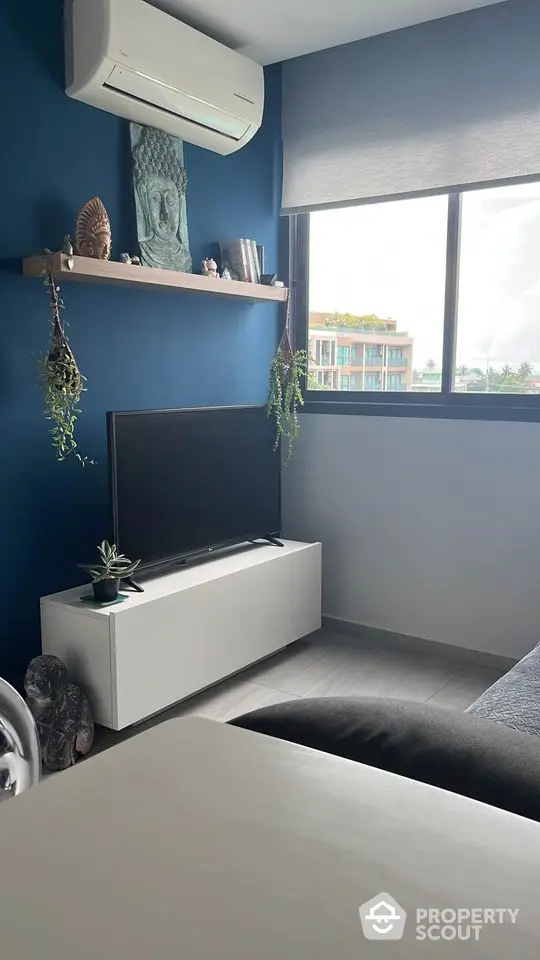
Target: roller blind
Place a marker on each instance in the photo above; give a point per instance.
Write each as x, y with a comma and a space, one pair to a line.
444, 104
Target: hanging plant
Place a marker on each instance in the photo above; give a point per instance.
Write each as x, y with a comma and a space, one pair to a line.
285, 397
61, 380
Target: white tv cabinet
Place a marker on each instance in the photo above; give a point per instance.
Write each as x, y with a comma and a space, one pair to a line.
190, 628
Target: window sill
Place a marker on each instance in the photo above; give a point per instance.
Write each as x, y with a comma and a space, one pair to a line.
428, 406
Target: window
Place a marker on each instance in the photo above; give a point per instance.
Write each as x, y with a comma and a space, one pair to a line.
373, 353
435, 297
325, 353
395, 357
377, 281
325, 380
498, 317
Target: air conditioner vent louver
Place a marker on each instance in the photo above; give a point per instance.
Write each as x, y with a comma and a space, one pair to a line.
177, 103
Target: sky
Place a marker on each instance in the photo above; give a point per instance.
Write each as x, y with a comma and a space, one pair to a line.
390, 259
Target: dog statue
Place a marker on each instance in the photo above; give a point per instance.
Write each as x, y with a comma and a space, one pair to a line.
61, 710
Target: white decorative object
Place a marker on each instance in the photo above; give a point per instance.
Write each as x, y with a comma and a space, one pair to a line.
209, 268
189, 629
133, 60
20, 757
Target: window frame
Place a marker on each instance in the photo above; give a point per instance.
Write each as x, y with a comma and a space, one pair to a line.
444, 405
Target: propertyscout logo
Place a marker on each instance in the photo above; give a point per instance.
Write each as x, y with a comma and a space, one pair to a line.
383, 918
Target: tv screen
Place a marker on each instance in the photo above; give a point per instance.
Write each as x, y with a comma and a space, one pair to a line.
188, 481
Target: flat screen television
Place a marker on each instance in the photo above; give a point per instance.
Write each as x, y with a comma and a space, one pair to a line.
187, 482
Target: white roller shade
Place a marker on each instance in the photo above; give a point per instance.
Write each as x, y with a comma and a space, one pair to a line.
444, 104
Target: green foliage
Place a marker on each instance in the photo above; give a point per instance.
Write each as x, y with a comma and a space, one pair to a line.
505, 380
285, 394
314, 384
111, 564
62, 382
525, 371
368, 321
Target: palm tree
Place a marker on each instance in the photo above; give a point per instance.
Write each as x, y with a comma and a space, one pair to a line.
462, 371
430, 365
492, 380
509, 381
525, 371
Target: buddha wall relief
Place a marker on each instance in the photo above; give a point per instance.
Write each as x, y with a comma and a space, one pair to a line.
159, 180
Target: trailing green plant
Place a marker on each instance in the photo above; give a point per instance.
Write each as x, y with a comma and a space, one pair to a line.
111, 565
61, 380
285, 397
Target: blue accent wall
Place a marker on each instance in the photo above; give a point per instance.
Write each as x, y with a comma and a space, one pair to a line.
137, 349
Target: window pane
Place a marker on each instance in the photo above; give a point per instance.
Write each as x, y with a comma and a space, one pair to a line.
376, 295
498, 334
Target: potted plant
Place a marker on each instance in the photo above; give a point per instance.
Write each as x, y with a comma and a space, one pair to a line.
285, 397
111, 568
62, 382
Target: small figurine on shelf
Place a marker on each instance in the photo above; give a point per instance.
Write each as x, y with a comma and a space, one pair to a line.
93, 231
67, 246
209, 268
226, 274
125, 258
136, 261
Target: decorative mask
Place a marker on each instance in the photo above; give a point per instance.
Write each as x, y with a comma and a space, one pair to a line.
93, 235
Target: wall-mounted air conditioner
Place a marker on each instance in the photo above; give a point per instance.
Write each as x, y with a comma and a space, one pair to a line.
135, 61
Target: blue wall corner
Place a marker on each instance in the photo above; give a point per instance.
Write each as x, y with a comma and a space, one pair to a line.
137, 349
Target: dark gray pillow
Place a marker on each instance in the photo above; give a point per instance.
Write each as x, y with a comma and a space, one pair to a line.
458, 752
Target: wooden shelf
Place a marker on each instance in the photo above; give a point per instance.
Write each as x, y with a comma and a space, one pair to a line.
86, 270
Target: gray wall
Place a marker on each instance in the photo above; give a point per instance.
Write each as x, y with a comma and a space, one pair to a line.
442, 104
429, 527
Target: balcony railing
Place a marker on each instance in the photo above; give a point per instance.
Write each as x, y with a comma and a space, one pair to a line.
323, 365
348, 331
376, 363
397, 362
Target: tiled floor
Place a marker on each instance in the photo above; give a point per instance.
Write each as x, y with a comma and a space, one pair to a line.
330, 664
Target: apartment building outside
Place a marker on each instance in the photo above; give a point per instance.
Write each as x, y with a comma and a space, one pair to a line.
367, 354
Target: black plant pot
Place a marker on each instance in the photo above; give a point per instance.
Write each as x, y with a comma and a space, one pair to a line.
105, 591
